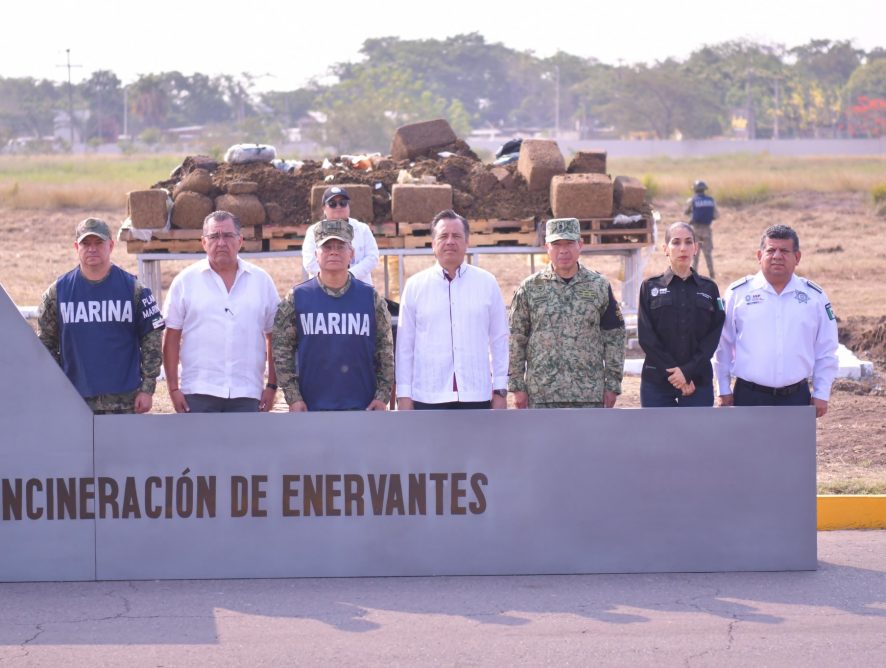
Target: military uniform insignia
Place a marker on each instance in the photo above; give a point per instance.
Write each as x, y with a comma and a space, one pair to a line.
814, 286
830, 311
801, 297
654, 292
721, 304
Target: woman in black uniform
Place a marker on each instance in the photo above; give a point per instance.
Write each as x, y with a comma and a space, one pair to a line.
679, 325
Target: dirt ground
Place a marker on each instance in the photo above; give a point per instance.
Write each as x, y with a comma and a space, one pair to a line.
843, 247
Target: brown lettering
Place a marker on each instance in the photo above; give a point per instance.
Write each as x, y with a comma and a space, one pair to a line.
107, 496
418, 494
87, 493
478, 481
151, 510
353, 494
331, 493
395, 496
31, 487
313, 495
377, 492
290, 492
130, 500
67, 497
458, 492
184, 497
239, 496
206, 496
439, 479
258, 494
170, 488
12, 499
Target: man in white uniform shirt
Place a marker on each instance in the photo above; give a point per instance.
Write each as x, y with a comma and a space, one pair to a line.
780, 330
222, 312
337, 206
452, 339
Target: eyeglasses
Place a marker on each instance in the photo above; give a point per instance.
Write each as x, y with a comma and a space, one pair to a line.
335, 203
215, 236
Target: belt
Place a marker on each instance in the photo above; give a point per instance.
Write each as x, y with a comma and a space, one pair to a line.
774, 391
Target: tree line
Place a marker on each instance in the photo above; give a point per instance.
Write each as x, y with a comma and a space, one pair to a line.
823, 88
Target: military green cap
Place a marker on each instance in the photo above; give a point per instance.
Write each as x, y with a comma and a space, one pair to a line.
92, 226
333, 229
562, 228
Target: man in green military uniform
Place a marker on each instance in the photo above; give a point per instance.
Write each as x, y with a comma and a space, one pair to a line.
331, 340
103, 327
567, 345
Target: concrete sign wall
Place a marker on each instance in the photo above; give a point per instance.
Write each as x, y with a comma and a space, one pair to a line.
425, 493
46, 432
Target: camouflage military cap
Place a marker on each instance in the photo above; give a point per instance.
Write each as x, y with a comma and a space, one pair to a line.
333, 229
94, 227
562, 228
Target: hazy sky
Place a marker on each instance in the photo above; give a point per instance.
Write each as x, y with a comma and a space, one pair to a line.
289, 42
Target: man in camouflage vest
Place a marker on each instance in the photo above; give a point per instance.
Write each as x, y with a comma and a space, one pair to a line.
103, 327
332, 341
567, 344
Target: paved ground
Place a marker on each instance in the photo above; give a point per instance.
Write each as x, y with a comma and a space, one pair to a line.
830, 617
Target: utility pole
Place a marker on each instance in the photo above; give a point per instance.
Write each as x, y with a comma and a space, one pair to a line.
70, 96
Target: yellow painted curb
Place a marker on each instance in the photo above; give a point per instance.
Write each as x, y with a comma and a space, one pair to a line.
851, 511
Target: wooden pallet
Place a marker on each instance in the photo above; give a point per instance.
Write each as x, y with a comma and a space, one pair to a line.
477, 227
284, 231
413, 230
502, 239
498, 226
126, 234
182, 246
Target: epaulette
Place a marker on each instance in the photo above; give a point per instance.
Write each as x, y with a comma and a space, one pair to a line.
740, 282
814, 286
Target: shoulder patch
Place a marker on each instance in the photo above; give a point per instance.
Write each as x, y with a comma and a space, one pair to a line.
814, 286
740, 282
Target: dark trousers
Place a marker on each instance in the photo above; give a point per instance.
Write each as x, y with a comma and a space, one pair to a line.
658, 395
745, 396
452, 405
206, 403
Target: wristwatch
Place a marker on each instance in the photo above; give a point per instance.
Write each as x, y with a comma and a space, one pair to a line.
500, 393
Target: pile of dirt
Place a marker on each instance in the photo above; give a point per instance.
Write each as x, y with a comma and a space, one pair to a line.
865, 336
478, 190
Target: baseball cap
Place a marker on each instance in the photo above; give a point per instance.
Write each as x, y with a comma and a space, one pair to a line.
335, 191
92, 226
333, 229
562, 228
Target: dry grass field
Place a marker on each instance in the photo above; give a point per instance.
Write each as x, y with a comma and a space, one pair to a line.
843, 245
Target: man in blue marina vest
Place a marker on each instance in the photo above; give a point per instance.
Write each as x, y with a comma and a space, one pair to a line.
331, 340
702, 210
103, 327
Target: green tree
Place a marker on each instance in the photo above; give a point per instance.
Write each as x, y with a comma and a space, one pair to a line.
869, 80
28, 106
150, 100
103, 97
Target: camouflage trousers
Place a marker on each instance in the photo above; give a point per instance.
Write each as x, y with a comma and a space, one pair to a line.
566, 404
704, 237
108, 404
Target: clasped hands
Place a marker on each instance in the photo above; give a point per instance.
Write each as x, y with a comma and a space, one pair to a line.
678, 380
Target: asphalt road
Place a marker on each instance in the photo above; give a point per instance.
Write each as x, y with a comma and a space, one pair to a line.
835, 616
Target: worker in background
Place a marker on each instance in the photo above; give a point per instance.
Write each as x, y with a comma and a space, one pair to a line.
702, 210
